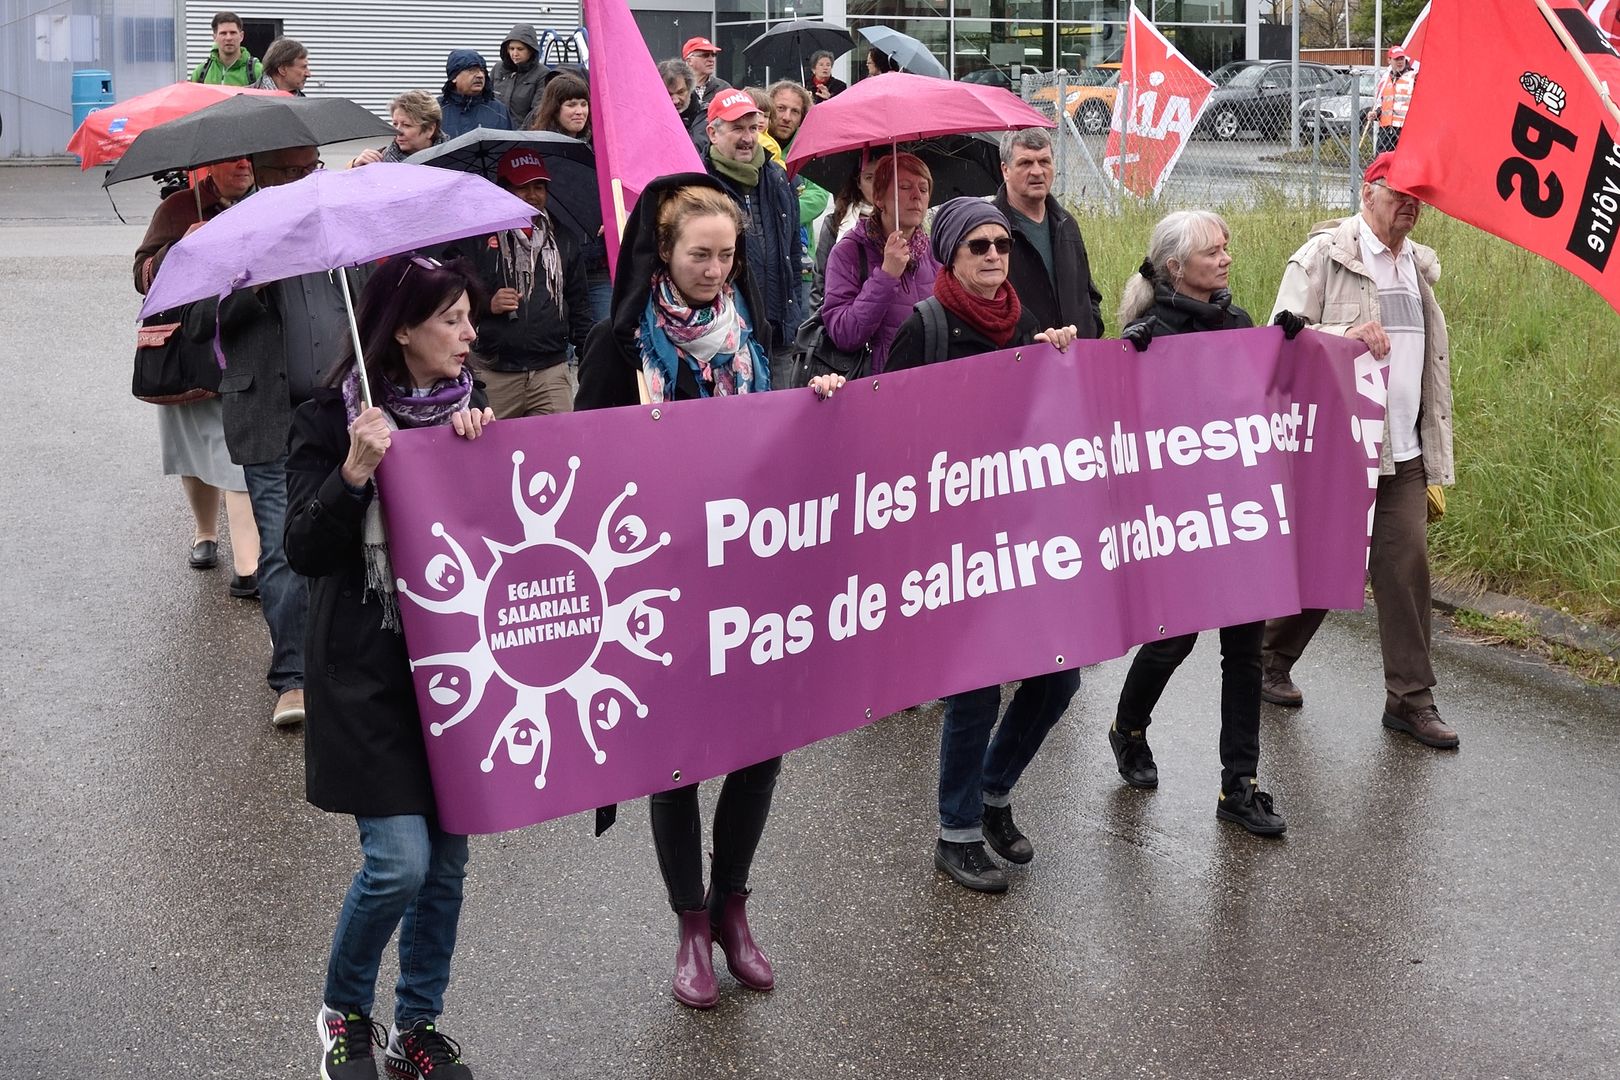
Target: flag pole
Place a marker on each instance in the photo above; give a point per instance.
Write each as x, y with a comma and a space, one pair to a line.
1574, 50
620, 217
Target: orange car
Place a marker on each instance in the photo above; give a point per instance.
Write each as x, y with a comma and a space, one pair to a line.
1090, 99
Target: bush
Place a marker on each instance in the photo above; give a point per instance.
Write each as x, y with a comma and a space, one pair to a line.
1536, 377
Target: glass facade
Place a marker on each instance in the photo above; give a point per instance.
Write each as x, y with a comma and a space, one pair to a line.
994, 41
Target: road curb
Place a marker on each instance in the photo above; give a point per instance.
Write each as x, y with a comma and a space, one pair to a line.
1554, 625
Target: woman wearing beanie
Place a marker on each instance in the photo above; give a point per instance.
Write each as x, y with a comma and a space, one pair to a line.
1181, 289
975, 310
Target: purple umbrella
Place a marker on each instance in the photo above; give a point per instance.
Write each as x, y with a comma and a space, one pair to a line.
330, 220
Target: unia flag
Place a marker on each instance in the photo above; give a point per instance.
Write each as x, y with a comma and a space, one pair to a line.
1161, 95
1507, 130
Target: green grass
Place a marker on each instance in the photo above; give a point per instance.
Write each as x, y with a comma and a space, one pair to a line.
1535, 372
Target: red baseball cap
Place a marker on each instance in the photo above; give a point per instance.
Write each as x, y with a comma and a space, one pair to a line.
1396, 52
1379, 169
521, 167
732, 105
698, 44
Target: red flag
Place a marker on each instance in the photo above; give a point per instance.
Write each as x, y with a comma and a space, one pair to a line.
1507, 131
636, 132
1606, 13
1161, 95
1413, 45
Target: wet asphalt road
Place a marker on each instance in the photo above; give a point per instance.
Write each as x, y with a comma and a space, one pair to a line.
166, 896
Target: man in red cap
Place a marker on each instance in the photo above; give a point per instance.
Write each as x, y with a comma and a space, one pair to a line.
538, 303
701, 54
772, 246
1394, 95
1363, 277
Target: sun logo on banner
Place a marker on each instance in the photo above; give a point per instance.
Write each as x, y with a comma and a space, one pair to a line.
544, 615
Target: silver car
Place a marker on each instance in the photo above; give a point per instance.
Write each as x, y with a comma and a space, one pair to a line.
1332, 113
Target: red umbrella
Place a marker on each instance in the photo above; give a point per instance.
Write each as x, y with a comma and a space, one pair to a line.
107, 133
898, 107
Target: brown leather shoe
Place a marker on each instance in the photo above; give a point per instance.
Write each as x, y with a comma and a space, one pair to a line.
289, 709
1277, 688
1425, 726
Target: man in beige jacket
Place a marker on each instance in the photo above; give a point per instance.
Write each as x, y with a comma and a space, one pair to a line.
1363, 278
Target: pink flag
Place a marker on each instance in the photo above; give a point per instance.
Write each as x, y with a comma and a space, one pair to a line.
1161, 95
637, 134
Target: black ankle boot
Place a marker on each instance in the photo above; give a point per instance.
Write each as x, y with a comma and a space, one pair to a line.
1134, 758
1004, 836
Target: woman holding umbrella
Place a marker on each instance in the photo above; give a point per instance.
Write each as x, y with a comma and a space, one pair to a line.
1181, 289
974, 310
191, 437
363, 750
877, 273
684, 321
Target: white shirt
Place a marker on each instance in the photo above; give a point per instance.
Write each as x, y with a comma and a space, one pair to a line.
1400, 307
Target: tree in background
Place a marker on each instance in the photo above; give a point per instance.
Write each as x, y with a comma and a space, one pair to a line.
1399, 15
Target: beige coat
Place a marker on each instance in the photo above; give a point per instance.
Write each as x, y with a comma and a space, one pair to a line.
1327, 284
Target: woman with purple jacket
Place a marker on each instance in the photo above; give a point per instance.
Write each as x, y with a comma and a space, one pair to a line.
882, 267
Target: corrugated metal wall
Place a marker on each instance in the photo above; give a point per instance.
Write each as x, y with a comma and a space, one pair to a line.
371, 51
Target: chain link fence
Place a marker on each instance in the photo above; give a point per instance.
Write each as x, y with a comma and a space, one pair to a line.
1238, 156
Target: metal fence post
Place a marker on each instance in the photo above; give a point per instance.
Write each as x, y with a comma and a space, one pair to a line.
1355, 139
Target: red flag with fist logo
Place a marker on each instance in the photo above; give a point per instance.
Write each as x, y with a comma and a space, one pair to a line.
1507, 130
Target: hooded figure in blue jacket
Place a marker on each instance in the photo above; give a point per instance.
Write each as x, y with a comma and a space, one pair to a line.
468, 100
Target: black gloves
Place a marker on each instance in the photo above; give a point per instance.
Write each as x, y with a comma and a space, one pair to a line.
1291, 324
1139, 334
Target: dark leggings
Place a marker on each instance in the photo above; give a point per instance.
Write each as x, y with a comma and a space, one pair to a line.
739, 822
1240, 693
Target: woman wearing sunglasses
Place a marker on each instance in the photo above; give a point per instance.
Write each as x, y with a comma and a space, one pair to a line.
363, 750
975, 310
1181, 289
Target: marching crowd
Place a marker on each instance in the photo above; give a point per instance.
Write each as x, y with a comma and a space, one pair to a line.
733, 281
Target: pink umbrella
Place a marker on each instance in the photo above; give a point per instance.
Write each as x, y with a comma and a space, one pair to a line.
897, 107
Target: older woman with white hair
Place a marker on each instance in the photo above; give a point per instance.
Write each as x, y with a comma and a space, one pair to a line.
1181, 288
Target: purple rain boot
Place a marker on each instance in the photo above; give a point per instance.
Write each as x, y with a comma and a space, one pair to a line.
744, 959
694, 962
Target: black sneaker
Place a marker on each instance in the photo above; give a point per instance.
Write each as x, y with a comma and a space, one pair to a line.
1134, 758
421, 1053
346, 1042
1251, 808
970, 866
1004, 836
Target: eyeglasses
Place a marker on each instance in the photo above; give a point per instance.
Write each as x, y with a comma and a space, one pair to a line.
982, 246
295, 172
423, 261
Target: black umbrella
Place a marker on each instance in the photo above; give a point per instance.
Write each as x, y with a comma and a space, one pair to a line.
572, 196
787, 47
960, 164
240, 126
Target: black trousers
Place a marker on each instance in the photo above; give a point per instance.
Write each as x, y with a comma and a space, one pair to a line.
739, 822
1240, 693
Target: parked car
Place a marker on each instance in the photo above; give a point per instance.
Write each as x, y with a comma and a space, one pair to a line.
1332, 112
1090, 97
1256, 95
989, 76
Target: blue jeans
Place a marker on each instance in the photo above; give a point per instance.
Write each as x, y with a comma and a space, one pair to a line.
283, 594
601, 293
411, 879
976, 770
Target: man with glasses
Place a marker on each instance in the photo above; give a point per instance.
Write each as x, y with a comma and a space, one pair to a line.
1365, 278
701, 54
278, 342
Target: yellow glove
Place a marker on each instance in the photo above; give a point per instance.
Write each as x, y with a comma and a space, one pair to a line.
1437, 502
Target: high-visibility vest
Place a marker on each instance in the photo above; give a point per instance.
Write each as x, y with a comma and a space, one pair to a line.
1394, 96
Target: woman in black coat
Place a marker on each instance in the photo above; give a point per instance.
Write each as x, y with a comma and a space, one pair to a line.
685, 313
1181, 289
363, 749
975, 310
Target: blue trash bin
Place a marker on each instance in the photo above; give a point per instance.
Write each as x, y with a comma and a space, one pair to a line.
92, 90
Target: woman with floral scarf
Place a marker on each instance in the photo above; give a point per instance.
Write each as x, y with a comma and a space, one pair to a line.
684, 327
363, 750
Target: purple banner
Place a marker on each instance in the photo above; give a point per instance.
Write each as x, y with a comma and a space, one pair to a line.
604, 605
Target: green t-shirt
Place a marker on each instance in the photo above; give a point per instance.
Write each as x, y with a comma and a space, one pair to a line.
1038, 233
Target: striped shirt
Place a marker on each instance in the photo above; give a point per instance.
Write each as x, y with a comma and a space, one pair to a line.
1400, 308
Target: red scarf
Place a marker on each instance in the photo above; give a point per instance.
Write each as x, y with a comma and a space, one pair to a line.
995, 318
